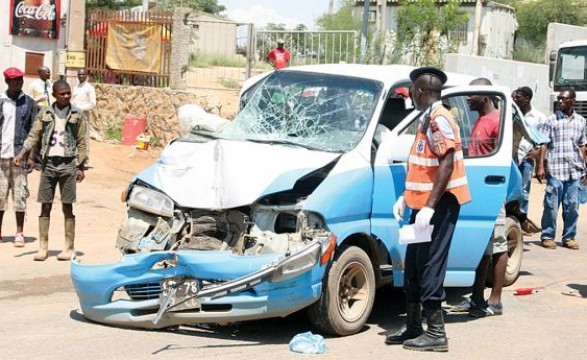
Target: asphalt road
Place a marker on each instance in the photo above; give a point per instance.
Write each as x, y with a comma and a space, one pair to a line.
41, 317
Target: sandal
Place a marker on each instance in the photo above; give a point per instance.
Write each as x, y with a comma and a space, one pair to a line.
19, 240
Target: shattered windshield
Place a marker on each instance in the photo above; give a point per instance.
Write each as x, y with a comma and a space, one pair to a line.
571, 69
317, 111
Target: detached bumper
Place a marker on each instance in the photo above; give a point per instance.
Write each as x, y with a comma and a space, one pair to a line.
129, 293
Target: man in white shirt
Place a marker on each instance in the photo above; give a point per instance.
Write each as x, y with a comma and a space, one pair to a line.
84, 98
42, 88
527, 154
17, 114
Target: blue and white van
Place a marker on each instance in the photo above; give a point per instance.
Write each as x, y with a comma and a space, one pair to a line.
288, 207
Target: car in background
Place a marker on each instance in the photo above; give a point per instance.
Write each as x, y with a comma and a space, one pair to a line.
288, 207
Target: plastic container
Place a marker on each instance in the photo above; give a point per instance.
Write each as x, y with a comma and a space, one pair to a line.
133, 127
143, 142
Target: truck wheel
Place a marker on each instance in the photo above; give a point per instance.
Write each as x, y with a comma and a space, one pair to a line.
515, 253
348, 294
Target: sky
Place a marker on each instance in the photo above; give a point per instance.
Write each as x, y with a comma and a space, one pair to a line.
288, 12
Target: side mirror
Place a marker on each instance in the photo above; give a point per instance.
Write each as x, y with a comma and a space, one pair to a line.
551, 63
398, 148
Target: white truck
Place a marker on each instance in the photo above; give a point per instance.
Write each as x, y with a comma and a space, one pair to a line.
568, 68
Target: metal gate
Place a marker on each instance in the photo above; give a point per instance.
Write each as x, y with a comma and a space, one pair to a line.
227, 72
99, 22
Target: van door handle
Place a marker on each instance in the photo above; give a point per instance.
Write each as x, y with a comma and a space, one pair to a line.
494, 179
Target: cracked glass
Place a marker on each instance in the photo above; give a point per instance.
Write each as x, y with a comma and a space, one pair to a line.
317, 111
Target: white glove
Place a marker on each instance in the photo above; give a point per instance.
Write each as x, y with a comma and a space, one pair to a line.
399, 208
423, 218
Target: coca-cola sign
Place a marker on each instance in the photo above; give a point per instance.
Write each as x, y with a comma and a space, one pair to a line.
38, 18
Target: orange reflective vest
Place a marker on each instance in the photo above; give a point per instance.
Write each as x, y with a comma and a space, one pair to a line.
423, 164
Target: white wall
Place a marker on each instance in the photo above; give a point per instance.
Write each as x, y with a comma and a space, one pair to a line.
13, 48
512, 74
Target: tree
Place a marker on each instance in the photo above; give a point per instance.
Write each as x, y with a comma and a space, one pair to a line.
111, 4
534, 17
423, 28
207, 6
342, 19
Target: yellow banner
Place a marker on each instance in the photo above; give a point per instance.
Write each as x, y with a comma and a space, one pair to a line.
131, 48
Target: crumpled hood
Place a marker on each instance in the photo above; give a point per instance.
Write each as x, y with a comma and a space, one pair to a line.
223, 174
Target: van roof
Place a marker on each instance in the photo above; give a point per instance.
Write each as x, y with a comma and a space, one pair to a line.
388, 74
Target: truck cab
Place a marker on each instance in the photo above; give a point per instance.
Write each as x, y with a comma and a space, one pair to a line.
568, 69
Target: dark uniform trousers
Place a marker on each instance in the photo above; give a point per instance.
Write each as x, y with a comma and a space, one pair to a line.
426, 262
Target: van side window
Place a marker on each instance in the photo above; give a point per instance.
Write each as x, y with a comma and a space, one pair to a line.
486, 139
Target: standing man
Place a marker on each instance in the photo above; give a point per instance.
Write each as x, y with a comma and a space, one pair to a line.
527, 153
279, 56
84, 98
484, 137
40, 89
436, 187
17, 114
564, 170
61, 130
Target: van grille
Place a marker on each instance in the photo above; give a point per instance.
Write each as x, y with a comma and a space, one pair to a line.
143, 291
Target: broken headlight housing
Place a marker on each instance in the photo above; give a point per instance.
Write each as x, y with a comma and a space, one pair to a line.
150, 201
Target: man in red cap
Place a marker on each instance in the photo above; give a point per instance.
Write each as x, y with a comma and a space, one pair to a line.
17, 114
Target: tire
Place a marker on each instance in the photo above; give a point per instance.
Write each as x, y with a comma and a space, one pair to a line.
348, 294
515, 253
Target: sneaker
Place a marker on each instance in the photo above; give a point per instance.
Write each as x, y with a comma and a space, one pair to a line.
548, 244
571, 244
19, 240
488, 310
464, 306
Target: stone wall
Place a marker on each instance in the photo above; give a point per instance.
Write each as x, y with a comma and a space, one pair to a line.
158, 106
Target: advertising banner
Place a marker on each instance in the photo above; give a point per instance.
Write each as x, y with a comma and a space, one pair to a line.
134, 48
36, 18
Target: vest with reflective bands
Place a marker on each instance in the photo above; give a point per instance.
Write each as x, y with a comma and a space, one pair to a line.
423, 164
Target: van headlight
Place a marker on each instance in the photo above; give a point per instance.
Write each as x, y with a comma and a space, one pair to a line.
150, 201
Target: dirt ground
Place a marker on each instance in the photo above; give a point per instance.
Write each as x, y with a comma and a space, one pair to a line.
41, 317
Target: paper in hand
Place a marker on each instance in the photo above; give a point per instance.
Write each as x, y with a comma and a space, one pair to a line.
409, 235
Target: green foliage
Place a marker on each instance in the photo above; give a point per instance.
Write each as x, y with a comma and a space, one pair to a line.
208, 6
229, 83
114, 132
534, 17
423, 30
112, 4
342, 19
200, 60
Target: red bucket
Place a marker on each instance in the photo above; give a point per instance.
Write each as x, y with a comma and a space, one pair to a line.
133, 127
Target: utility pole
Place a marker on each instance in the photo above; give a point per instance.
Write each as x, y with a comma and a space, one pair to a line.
364, 30
477, 27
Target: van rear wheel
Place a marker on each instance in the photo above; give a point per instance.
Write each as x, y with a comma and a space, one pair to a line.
348, 294
515, 253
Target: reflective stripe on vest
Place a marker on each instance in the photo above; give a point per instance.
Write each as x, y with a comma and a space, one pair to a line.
423, 166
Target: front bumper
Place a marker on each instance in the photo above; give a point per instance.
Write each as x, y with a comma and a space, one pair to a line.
246, 292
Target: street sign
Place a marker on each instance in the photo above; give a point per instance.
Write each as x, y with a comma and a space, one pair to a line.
76, 59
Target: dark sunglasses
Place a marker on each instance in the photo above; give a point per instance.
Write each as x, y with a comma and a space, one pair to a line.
564, 98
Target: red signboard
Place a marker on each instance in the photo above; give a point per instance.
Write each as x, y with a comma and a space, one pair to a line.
37, 18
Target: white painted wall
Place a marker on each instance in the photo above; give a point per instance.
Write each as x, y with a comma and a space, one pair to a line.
512, 74
13, 48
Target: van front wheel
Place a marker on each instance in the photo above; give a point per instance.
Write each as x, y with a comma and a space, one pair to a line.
348, 294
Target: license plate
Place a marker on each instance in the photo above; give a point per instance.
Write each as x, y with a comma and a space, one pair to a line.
183, 296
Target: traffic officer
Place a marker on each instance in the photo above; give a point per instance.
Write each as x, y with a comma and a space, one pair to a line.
436, 187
